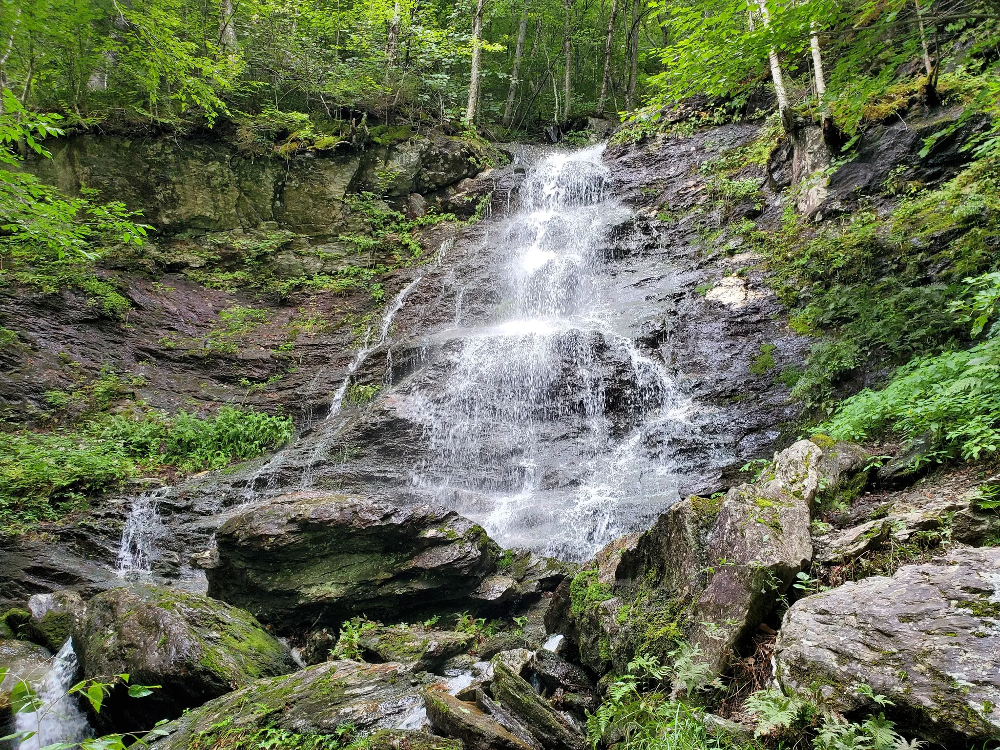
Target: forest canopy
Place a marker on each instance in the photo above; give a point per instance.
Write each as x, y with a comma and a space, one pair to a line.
281, 66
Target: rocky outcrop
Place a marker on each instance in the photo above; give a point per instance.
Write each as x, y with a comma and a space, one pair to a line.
925, 638
321, 700
201, 185
465, 721
311, 558
708, 572
23, 661
54, 618
194, 647
546, 725
416, 648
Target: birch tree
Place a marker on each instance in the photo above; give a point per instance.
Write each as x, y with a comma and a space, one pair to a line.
477, 54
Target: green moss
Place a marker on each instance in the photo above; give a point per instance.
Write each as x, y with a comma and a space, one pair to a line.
823, 441
982, 608
586, 593
706, 508
764, 363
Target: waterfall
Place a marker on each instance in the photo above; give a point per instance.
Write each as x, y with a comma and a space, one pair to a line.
143, 529
546, 423
367, 347
59, 718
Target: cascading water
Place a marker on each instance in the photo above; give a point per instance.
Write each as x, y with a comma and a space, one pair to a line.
143, 529
548, 424
58, 718
369, 346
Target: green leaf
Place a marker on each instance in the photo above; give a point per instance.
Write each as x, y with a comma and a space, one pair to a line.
140, 691
95, 694
23, 698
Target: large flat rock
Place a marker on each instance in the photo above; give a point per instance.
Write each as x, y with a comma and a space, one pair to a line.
927, 638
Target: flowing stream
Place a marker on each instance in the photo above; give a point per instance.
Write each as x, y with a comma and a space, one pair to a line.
547, 424
58, 718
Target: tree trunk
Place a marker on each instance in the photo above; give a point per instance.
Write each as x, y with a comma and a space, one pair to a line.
227, 32
477, 30
633, 69
392, 37
817, 61
607, 57
779, 81
923, 40
522, 32
568, 53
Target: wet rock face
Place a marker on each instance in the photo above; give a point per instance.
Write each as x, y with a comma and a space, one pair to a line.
196, 648
925, 638
311, 558
319, 700
546, 725
709, 571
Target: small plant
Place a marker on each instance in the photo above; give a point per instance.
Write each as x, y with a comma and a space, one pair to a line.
776, 712
349, 644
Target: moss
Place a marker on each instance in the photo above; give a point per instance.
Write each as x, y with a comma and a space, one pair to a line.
764, 363
982, 608
586, 593
706, 508
52, 630
14, 619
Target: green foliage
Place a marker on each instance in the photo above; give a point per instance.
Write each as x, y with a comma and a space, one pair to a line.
44, 475
349, 643
586, 592
24, 699
776, 713
953, 398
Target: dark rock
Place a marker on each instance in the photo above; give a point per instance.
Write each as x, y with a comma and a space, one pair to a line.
546, 725
320, 700
924, 638
467, 722
505, 641
555, 673
311, 558
196, 648
319, 645
416, 648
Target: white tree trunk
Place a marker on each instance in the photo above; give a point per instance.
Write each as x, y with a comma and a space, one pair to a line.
392, 38
607, 58
227, 32
477, 53
817, 61
508, 110
776, 75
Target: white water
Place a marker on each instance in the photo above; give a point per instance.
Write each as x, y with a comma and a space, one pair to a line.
548, 425
143, 530
59, 718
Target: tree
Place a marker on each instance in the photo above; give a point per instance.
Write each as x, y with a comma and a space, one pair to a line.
474, 73
608, 38
508, 110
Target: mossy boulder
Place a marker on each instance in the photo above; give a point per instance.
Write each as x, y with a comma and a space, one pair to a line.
316, 703
465, 721
310, 559
708, 572
552, 730
415, 647
925, 638
54, 618
194, 647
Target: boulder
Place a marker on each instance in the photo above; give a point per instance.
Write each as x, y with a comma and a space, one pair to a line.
320, 700
925, 638
409, 739
416, 648
567, 685
54, 617
846, 544
546, 725
708, 572
315, 558
194, 647
467, 722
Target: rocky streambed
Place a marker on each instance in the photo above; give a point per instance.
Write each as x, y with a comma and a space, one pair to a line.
468, 556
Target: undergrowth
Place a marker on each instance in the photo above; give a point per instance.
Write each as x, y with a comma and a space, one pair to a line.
45, 475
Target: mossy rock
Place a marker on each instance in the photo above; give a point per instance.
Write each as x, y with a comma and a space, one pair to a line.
416, 647
335, 702
196, 648
548, 727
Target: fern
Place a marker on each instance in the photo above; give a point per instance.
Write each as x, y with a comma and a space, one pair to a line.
775, 712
